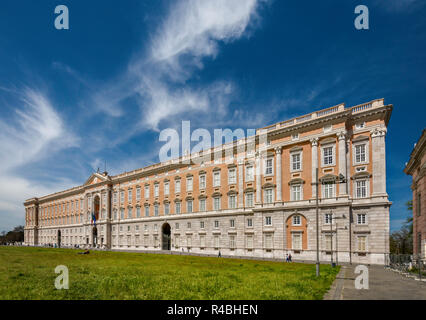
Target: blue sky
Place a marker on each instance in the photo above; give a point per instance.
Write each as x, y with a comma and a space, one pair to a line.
126, 70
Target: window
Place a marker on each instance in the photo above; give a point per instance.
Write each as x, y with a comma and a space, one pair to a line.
268, 221
166, 209
232, 242
249, 199
296, 161
202, 204
249, 173
189, 206
146, 211
232, 176
361, 189
189, 184
268, 241
216, 203
419, 204
296, 192
361, 218
360, 125
156, 210
138, 212
201, 224
216, 223
129, 213
202, 182
177, 207
156, 190
328, 242
269, 167
216, 242
202, 241
188, 225
146, 192
328, 218
295, 136
362, 240
297, 221
138, 194
232, 202
122, 213
177, 186
296, 241
328, 157
121, 196
249, 242
360, 153
268, 196
129, 196
328, 190
216, 179
166, 188
232, 223
250, 222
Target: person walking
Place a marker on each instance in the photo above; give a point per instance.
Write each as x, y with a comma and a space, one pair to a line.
286, 258
219, 255
289, 257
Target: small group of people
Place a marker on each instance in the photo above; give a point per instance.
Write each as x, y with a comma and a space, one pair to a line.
288, 257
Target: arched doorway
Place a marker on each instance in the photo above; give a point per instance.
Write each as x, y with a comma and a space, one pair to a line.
95, 218
95, 235
59, 238
166, 237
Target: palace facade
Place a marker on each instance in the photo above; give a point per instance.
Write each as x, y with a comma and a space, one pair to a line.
416, 167
252, 197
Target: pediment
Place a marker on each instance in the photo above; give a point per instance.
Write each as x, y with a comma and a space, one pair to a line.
95, 178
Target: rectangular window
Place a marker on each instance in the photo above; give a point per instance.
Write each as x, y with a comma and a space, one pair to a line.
419, 204
129, 196
268, 196
138, 194
202, 241
249, 199
268, 241
202, 204
129, 213
361, 218
122, 213
232, 202
146, 192
177, 207
216, 223
156, 190
121, 196
216, 203
166, 209
189, 184
166, 188
138, 212
250, 222
232, 223
296, 163
156, 210
216, 242
362, 240
328, 156
328, 242
297, 221
249, 173
216, 179
232, 176
328, 190
249, 242
202, 182
296, 241
232, 242
188, 225
189, 206
360, 154
268, 221
361, 188
146, 211
201, 224
296, 192
328, 218
268, 166
177, 186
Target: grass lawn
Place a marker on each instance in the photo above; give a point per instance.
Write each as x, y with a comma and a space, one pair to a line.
28, 273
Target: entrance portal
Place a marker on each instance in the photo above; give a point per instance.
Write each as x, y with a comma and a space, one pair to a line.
166, 237
95, 236
59, 238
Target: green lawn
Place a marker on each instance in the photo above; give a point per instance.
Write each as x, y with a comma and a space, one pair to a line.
28, 273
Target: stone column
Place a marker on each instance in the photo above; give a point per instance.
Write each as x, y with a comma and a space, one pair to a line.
314, 143
258, 177
379, 161
240, 183
343, 191
278, 174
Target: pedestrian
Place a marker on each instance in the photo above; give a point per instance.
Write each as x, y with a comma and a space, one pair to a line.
219, 255
286, 258
289, 257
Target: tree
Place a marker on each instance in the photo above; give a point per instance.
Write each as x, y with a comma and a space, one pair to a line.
401, 241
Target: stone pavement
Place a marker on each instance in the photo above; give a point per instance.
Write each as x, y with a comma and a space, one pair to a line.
384, 284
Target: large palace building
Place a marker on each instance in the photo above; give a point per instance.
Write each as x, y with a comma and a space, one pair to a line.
259, 201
